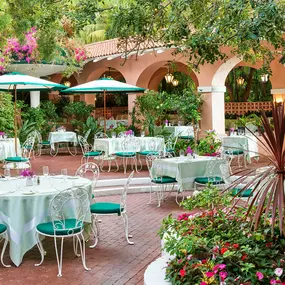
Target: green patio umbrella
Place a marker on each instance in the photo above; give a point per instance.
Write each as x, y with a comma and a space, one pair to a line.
104, 85
13, 82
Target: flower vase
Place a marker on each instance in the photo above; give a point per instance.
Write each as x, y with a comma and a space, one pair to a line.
29, 181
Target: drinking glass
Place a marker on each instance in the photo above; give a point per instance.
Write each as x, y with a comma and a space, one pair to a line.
181, 153
113, 135
45, 171
64, 173
142, 134
7, 172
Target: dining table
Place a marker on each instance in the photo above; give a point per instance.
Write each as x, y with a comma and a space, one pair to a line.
248, 143
7, 148
185, 169
113, 145
23, 207
62, 137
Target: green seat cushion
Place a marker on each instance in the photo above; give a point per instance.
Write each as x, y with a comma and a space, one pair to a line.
186, 137
16, 159
163, 179
45, 142
170, 150
93, 196
235, 152
125, 154
93, 153
245, 193
146, 152
3, 228
70, 225
28, 147
213, 180
105, 208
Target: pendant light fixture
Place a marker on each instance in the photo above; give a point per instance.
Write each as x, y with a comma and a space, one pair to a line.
169, 76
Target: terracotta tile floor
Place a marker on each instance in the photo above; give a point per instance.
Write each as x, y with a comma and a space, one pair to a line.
113, 261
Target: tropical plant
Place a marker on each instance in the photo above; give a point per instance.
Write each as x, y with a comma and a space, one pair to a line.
92, 125
209, 145
6, 113
25, 129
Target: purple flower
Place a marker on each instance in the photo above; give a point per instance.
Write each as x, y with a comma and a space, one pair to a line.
259, 275
111, 127
166, 121
2, 133
189, 150
27, 173
129, 133
232, 130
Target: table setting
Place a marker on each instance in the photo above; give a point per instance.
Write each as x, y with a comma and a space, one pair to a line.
31, 194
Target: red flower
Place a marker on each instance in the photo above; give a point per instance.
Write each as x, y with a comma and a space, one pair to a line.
204, 261
210, 274
244, 257
236, 245
268, 244
182, 272
223, 250
227, 244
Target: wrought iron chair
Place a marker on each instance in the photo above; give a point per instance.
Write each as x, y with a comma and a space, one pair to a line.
89, 167
68, 210
88, 151
158, 178
121, 135
5, 237
209, 176
130, 147
171, 143
105, 156
152, 149
107, 208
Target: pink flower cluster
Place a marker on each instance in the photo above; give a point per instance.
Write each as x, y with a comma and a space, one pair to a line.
212, 154
80, 54
26, 51
129, 133
27, 173
217, 269
189, 150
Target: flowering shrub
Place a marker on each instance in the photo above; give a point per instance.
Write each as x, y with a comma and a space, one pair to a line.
217, 246
209, 145
128, 132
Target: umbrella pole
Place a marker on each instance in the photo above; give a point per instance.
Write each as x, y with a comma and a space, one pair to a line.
15, 119
104, 111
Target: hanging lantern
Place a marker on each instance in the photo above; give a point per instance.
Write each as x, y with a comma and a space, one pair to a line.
175, 82
264, 78
240, 81
109, 73
67, 83
169, 78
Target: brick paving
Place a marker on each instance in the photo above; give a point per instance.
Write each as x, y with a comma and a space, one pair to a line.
113, 261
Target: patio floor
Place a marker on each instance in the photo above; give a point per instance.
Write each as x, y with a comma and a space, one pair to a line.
113, 261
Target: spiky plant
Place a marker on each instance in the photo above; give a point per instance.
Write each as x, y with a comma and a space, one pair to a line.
268, 185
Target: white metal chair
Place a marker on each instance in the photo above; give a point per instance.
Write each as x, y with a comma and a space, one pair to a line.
121, 135
158, 178
171, 143
106, 208
86, 135
101, 135
209, 176
130, 147
68, 210
88, 151
28, 147
4, 236
89, 167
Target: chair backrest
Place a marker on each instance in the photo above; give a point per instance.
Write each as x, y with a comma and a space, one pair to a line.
86, 135
233, 143
156, 171
87, 168
130, 144
226, 172
166, 155
121, 135
84, 145
153, 144
171, 141
125, 191
36, 135
101, 135
28, 146
150, 158
210, 167
71, 203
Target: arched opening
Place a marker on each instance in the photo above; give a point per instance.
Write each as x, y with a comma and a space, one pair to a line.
247, 84
69, 82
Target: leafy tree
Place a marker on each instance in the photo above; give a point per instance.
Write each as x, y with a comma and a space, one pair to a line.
200, 28
6, 113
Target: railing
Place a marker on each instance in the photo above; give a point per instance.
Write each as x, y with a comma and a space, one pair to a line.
241, 108
111, 112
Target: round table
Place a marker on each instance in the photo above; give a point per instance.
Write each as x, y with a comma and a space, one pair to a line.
23, 207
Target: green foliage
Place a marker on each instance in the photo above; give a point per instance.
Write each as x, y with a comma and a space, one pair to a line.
90, 124
25, 129
79, 111
6, 113
209, 145
200, 28
119, 128
183, 144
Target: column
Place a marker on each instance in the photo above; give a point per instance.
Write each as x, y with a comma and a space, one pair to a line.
278, 95
213, 109
35, 98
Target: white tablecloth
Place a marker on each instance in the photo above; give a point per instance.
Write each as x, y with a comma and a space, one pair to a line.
181, 131
247, 142
113, 123
185, 169
113, 145
7, 148
57, 137
21, 210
